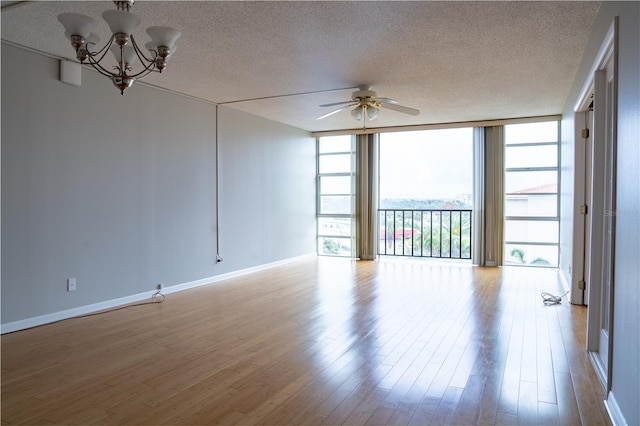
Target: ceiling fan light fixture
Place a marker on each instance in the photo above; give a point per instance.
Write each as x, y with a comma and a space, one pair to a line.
356, 113
366, 101
372, 113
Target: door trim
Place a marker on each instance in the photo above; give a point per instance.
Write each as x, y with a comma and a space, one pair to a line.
608, 52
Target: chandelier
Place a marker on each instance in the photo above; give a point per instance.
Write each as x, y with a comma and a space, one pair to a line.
78, 28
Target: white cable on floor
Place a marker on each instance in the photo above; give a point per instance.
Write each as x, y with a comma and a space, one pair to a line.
550, 299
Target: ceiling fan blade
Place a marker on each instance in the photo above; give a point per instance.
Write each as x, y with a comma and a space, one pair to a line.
336, 103
386, 100
335, 111
400, 108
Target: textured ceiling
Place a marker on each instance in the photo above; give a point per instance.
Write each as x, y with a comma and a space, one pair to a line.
455, 61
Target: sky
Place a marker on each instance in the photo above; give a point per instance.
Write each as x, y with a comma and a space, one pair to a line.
433, 164
429, 164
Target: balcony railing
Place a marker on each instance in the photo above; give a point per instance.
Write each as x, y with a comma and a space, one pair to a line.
425, 233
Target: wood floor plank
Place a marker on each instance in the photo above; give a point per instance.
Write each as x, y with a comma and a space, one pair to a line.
403, 414
568, 411
447, 407
367, 407
425, 411
544, 359
548, 413
528, 403
380, 416
490, 398
468, 409
319, 341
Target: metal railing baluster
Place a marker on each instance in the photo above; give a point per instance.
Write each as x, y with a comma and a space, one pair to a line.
416, 233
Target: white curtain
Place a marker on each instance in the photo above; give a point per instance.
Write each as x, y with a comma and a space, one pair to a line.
488, 222
366, 196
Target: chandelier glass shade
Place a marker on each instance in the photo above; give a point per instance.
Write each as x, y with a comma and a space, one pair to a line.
122, 44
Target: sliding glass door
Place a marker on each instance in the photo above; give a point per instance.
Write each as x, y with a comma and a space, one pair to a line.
426, 187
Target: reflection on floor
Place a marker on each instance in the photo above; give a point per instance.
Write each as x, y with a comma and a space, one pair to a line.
320, 341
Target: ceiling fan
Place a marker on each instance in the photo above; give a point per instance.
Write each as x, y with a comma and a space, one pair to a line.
367, 103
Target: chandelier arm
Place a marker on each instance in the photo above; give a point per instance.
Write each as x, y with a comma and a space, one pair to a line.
151, 63
104, 49
140, 54
146, 71
95, 63
102, 70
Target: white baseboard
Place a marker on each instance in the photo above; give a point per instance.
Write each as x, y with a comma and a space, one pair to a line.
614, 411
234, 274
70, 313
108, 304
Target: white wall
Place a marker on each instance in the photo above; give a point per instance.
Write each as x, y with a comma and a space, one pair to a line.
119, 191
626, 325
267, 190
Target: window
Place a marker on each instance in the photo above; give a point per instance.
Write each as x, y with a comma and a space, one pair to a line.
426, 192
336, 195
532, 223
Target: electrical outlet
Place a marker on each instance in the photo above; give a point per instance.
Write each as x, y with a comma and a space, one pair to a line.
71, 284
160, 286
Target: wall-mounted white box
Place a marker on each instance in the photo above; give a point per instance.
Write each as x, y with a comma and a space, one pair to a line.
71, 73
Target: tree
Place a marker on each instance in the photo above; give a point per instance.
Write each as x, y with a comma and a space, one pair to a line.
540, 261
330, 247
518, 254
428, 233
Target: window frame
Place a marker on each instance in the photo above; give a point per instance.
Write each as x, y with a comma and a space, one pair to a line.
319, 196
522, 218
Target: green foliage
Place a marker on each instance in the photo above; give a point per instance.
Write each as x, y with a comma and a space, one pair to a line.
330, 247
412, 204
518, 254
429, 234
540, 261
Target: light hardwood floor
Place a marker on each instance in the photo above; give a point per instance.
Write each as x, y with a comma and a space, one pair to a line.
320, 341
